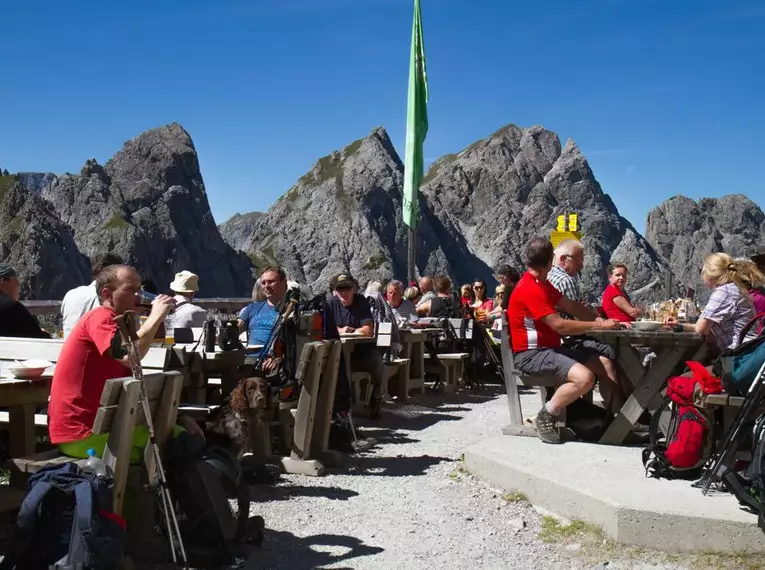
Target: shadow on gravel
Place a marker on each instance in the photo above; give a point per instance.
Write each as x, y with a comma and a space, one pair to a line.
387, 435
260, 493
411, 420
398, 466
283, 549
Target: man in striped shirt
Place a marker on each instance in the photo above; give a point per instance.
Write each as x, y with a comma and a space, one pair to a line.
536, 329
564, 276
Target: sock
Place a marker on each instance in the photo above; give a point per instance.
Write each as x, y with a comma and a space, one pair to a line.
552, 410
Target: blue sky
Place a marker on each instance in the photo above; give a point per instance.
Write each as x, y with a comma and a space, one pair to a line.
662, 96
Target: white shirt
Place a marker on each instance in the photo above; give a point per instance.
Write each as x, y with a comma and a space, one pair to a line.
76, 303
188, 315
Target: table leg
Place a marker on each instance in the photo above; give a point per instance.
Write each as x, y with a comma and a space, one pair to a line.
21, 435
652, 383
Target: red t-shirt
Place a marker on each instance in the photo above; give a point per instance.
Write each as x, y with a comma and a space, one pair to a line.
610, 308
531, 301
81, 373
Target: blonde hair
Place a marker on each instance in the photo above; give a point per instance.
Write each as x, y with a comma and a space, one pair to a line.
411, 293
466, 287
257, 292
722, 269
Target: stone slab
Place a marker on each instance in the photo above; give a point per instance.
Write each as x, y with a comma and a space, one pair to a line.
607, 486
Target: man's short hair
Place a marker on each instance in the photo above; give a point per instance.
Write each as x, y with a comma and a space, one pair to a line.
539, 253
442, 284
614, 266
101, 260
510, 272
396, 283
276, 269
109, 278
568, 247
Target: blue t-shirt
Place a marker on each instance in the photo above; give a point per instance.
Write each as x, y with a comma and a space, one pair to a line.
259, 318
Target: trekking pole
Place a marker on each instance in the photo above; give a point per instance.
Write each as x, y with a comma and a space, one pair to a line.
752, 400
126, 325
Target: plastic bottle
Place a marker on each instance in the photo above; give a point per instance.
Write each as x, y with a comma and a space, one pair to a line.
95, 464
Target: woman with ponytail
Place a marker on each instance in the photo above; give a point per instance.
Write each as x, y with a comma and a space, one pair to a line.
730, 307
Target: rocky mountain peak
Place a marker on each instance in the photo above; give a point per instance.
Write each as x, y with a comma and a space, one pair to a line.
148, 203
685, 231
37, 244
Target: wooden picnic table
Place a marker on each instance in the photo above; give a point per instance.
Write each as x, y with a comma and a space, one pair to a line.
22, 398
672, 350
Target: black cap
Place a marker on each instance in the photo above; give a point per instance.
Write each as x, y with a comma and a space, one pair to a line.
342, 280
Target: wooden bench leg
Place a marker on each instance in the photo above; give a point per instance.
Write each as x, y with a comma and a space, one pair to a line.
21, 435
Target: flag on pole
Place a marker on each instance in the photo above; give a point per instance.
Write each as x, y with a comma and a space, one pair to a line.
416, 121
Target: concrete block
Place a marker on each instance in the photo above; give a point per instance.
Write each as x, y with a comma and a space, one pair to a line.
607, 486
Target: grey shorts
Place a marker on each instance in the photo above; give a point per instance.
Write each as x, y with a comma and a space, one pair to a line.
553, 361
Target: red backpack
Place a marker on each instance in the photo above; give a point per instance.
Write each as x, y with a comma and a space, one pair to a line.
683, 451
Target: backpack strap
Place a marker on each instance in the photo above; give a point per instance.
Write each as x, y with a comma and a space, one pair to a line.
83, 494
759, 318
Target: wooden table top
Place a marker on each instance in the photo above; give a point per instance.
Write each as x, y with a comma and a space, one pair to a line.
648, 338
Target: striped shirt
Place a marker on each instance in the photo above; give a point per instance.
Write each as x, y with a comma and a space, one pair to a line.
569, 287
730, 310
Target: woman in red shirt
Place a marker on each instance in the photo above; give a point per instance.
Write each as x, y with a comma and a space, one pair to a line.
616, 303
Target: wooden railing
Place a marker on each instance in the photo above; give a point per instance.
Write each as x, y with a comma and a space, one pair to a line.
218, 303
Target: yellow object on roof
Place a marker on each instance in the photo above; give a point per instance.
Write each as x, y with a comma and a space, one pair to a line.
568, 226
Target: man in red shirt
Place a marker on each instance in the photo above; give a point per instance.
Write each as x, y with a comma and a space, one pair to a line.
93, 354
536, 328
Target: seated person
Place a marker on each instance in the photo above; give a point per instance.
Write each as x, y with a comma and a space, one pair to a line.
186, 314
729, 308
351, 313
442, 305
482, 303
258, 318
495, 315
616, 303
403, 309
15, 318
752, 278
564, 276
536, 328
466, 294
91, 355
80, 300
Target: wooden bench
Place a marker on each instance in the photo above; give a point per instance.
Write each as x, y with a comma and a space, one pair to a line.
513, 378
450, 370
118, 414
317, 371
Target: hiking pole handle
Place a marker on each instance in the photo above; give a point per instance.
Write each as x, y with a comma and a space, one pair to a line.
126, 325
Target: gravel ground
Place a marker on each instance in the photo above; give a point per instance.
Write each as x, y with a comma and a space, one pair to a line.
408, 503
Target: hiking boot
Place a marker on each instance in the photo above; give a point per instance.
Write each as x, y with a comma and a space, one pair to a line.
544, 424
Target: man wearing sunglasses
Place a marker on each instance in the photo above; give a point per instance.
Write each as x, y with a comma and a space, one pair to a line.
352, 314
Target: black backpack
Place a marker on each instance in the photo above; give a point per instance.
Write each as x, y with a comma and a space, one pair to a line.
66, 523
202, 480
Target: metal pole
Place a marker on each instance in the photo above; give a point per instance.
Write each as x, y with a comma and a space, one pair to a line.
411, 264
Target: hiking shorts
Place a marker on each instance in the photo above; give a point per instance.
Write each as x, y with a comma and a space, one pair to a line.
553, 361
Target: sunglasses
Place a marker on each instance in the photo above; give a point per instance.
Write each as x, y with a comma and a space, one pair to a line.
344, 288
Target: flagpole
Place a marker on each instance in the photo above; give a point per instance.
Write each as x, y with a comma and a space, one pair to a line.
416, 131
412, 256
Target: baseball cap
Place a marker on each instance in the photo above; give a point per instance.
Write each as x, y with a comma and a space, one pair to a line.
342, 280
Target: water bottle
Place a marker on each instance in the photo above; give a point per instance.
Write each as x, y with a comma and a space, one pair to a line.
145, 298
95, 464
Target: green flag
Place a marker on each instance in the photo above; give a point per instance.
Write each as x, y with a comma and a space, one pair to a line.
416, 121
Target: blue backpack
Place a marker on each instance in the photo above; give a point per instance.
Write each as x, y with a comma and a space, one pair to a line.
66, 523
738, 367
